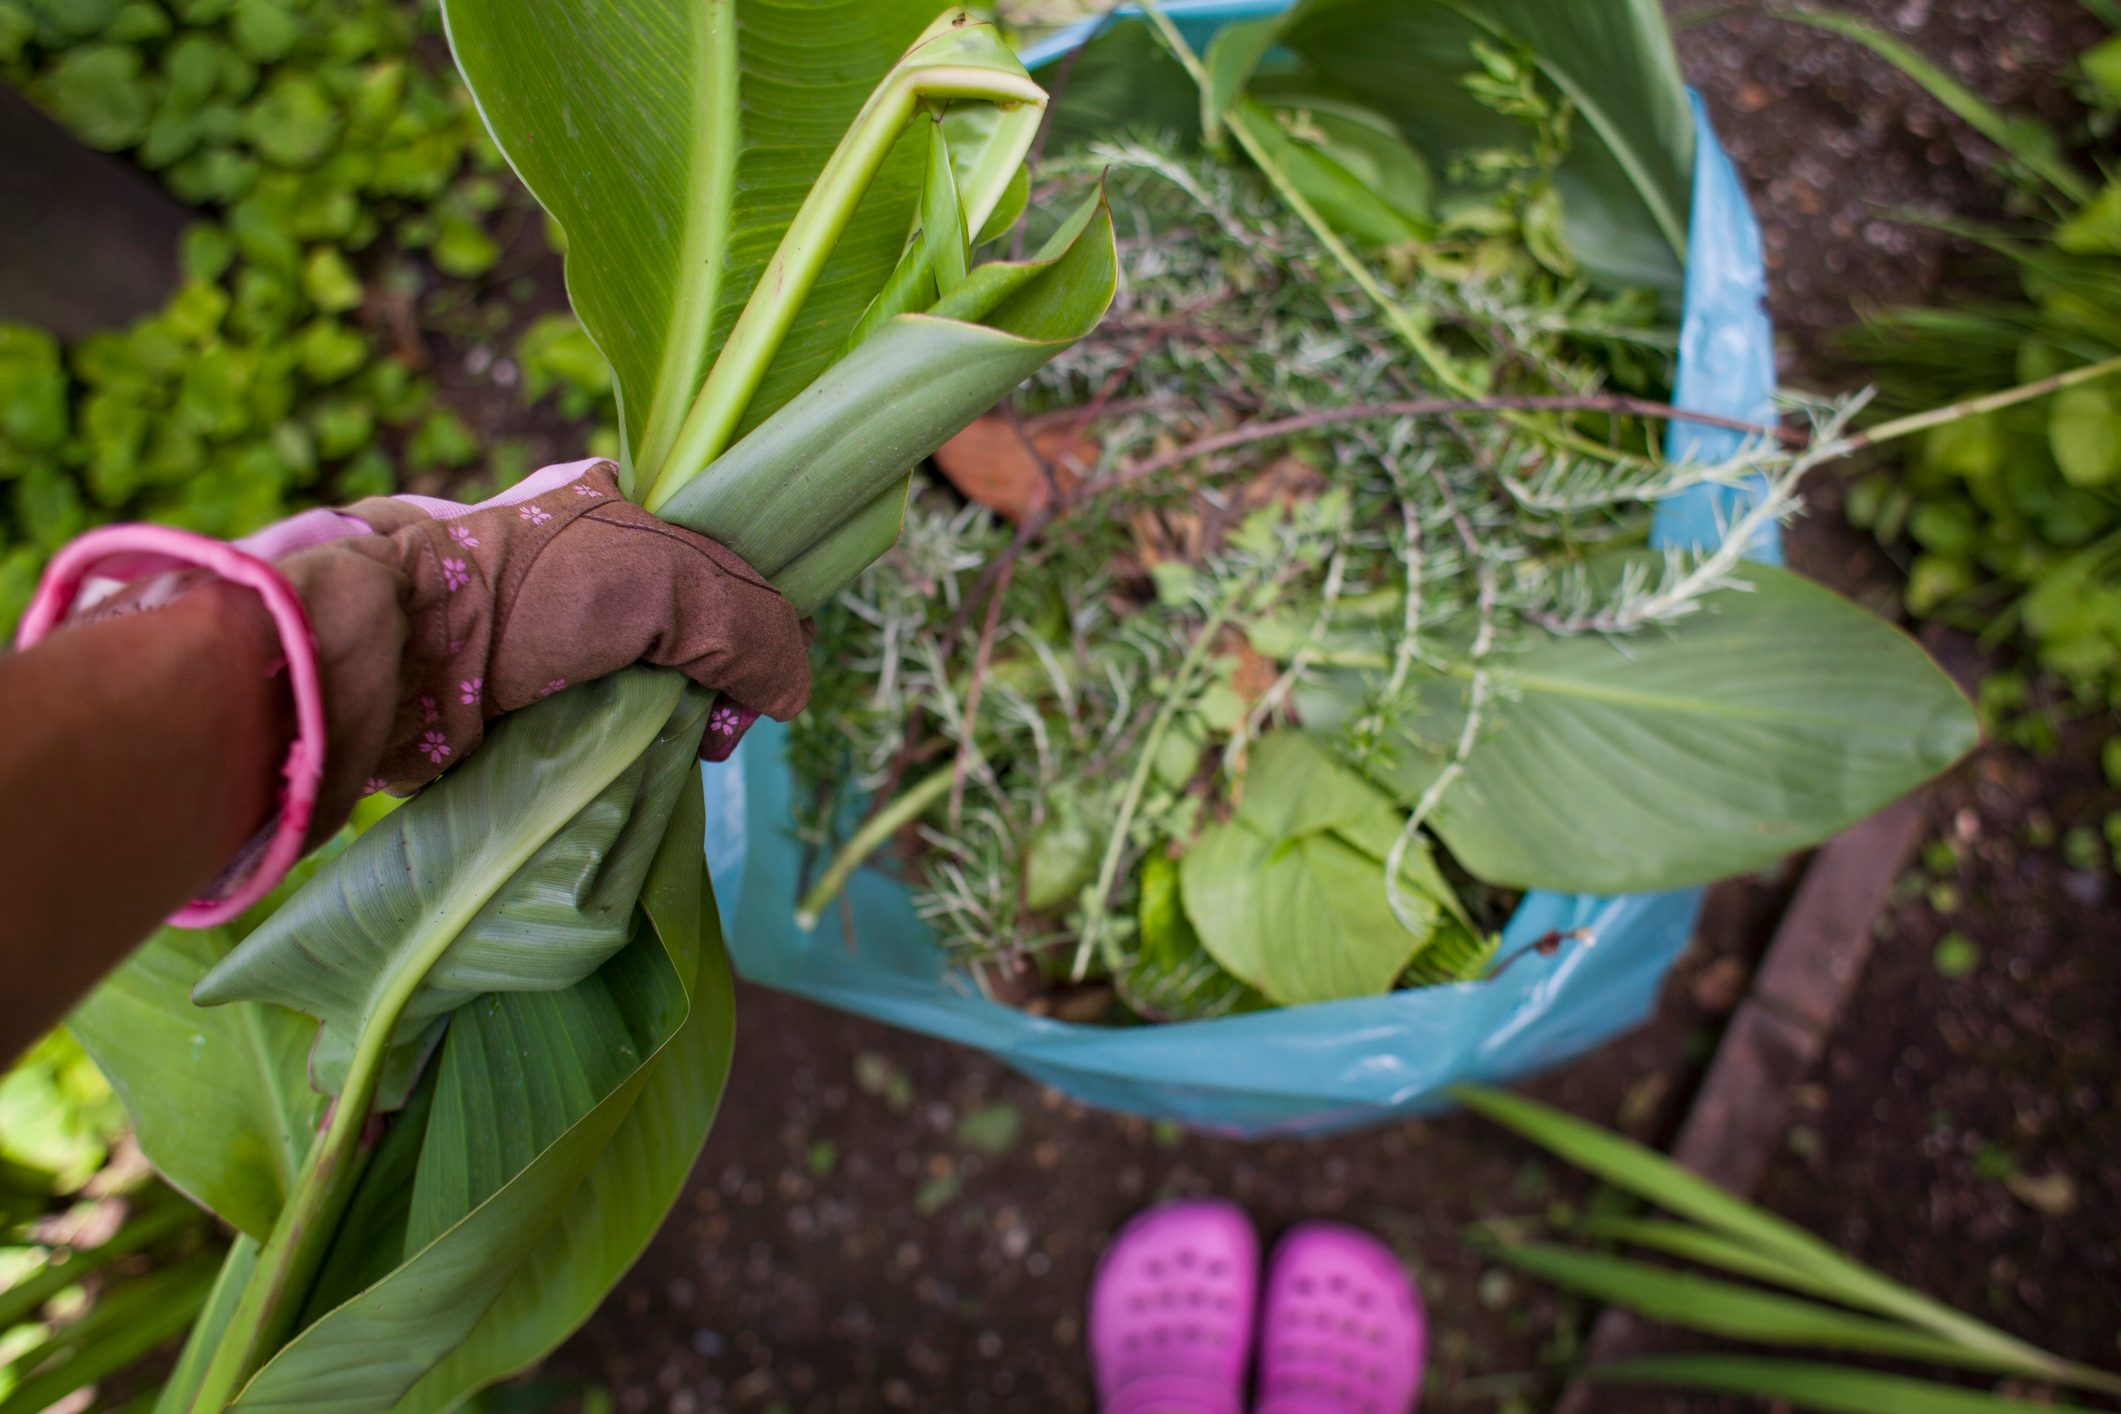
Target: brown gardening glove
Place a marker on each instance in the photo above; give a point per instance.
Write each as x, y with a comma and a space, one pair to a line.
446, 616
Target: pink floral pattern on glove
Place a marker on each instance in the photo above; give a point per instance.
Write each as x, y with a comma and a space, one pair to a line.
726, 726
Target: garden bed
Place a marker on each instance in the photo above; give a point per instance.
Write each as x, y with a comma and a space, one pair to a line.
885, 1222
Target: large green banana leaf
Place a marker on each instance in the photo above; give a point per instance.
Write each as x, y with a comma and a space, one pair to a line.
519, 876
587, 1008
573, 1113
1763, 724
674, 140
219, 1100
621, 1201
903, 392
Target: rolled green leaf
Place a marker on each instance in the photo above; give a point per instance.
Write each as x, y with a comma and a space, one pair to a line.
623, 1199
518, 1148
825, 459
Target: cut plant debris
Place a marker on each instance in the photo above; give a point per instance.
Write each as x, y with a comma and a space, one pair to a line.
1278, 635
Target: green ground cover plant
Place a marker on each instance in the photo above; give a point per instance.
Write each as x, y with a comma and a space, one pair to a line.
99, 1263
338, 174
2012, 520
1298, 620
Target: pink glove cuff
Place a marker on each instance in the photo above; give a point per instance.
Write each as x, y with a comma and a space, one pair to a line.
104, 560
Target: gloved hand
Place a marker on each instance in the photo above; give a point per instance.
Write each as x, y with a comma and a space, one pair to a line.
409, 622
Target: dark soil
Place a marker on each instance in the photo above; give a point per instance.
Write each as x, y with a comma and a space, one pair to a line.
1835, 144
1964, 1133
856, 1240
850, 1244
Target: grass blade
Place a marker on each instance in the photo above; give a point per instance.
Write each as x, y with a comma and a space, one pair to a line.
1651, 1176
125, 1324
19, 1302
1714, 1307
1699, 1245
1834, 1389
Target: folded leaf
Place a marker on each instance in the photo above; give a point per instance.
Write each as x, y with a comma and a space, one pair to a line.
1169, 975
849, 438
518, 1142
622, 1200
520, 875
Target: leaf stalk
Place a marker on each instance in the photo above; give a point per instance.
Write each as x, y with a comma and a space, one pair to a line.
878, 828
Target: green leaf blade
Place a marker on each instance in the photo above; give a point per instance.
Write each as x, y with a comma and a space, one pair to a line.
1655, 1178
1699, 1303
1832, 1389
622, 1199
1761, 725
521, 874
851, 436
481, 1290
220, 1100
639, 125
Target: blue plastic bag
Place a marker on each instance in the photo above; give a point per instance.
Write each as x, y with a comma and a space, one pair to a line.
1334, 1065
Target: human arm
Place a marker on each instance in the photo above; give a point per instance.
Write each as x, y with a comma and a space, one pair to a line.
124, 792
396, 629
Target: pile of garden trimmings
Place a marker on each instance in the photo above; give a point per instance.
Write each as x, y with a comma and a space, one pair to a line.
1096, 677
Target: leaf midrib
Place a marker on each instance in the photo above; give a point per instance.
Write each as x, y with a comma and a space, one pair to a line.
1686, 706
286, 1163
702, 258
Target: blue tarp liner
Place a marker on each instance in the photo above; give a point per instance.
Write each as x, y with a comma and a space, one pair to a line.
1311, 1069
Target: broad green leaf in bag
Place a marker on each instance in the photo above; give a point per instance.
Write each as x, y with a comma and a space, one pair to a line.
1778, 715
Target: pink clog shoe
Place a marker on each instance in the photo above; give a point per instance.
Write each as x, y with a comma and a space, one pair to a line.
1342, 1331
1171, 1311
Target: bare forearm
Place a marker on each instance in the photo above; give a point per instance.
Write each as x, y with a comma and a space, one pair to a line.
140, 754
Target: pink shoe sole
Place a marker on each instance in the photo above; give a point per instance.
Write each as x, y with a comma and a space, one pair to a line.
1343, 1330
1171, 1311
